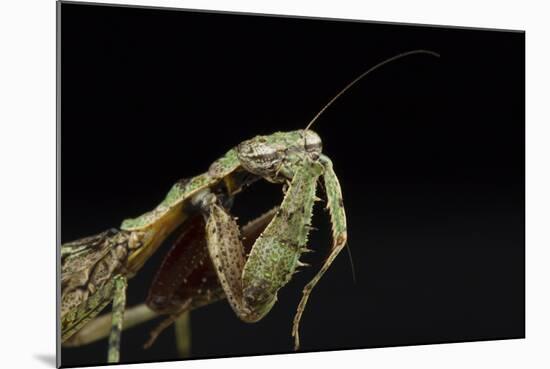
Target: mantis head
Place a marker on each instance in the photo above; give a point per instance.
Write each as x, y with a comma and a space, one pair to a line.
274, 157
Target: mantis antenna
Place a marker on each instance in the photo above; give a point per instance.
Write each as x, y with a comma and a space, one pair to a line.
364, 74
348, 86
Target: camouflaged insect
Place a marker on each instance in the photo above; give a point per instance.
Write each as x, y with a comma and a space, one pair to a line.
249, 283
95, 269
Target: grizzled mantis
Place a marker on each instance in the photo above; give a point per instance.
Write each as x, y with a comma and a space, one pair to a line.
95, 269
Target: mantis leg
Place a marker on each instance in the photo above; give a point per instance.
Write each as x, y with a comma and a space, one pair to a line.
251, 284
167, 322
196, 241
227, 254
183, 335
335, 205
119, 304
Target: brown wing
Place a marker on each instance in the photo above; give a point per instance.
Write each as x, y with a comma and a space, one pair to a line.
187, 272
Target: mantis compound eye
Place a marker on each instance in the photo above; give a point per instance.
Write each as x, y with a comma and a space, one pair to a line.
312, 144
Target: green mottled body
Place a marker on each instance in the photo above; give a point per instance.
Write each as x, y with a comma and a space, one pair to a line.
95, 269
90, 264
250, 282
180, 201
88, 268
119, 304
271, 266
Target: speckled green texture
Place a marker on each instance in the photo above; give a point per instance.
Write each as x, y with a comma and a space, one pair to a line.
335, 201
119, 304
88, 268
275, 254
250, 282
183, 190
335, 205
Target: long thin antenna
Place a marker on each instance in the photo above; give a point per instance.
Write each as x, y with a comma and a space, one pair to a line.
364, 74
351, 264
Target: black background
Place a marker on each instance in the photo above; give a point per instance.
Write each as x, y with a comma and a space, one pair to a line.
429, 152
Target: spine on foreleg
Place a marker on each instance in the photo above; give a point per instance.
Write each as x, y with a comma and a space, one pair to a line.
274, 258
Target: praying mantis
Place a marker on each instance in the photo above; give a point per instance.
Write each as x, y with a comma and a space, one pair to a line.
214, 258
